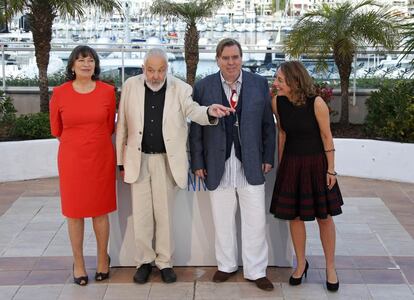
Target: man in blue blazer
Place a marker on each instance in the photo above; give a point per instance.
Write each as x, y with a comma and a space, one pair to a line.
232, 158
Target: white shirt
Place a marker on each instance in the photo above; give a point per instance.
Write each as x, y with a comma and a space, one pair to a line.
233, 176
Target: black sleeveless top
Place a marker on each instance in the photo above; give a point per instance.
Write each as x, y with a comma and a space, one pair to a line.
301, 127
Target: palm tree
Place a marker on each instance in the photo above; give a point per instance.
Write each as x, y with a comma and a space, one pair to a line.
190, 12
41, 14
341, 29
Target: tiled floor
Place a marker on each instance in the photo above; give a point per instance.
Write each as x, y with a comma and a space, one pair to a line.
375, 252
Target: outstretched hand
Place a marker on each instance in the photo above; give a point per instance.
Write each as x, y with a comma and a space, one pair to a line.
219, 111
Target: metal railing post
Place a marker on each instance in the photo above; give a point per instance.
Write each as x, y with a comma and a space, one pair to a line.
354, 81
3, 67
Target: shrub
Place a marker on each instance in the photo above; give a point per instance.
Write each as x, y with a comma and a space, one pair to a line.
391, 112
7, 115
323, 90
54, 80
7, 110
32, 126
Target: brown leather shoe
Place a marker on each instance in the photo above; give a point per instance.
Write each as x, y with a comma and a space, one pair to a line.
264, 284
221, 276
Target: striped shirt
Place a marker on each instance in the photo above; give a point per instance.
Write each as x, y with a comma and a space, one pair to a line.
233, 176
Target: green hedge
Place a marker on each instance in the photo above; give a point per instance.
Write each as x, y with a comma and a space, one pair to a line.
54, 80
59, 78
391, 112
31, 126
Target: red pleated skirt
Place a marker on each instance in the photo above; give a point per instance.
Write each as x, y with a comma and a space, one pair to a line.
301, 191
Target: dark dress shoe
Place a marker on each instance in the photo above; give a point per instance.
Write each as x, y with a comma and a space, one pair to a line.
264, 284
81, 280
221, 276
142, 274
297, 281
99, 276
332, 287
168, 275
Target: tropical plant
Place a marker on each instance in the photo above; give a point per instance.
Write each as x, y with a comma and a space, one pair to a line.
7, 109
391, 112
340, 29
32, 126
41, 14
190, 12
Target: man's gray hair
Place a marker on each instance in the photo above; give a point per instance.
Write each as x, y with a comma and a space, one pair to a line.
156, 52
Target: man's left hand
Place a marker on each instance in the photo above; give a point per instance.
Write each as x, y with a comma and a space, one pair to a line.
266, 168
219, 111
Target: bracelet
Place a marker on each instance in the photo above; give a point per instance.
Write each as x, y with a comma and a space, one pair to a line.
330, 150
333, 174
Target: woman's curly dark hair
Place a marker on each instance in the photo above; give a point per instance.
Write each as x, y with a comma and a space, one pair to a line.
82, 51
299, 81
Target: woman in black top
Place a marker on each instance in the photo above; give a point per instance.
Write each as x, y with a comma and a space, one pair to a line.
306, 187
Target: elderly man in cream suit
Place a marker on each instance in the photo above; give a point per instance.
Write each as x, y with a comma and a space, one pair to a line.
151, 147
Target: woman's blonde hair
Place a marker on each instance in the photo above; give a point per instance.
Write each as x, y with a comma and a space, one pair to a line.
299, 81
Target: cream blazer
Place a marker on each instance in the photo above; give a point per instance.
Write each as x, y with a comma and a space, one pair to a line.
178, 106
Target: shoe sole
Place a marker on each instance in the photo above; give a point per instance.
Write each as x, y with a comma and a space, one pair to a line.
140, 281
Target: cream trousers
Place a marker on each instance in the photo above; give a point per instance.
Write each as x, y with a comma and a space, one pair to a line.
153, 196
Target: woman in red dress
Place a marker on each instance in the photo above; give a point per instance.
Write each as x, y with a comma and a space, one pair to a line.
82, 113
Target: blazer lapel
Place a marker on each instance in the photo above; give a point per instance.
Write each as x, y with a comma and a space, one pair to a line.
217, 92
169, 99
246, 91
217, 89
140, 92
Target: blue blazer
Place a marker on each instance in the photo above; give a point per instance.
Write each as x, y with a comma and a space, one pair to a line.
257, 130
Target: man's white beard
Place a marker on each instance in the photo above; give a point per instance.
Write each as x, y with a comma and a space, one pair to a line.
154, 87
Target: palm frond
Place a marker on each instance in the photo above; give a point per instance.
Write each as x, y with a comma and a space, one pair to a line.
11, 8
345, 47
63, 7
364, 3
303, 39
376, 27
77, 8
408, 41
189, 12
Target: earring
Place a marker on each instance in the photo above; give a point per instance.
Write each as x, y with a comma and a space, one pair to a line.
73, 73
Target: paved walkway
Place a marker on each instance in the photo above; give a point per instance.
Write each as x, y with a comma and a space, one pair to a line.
375, 252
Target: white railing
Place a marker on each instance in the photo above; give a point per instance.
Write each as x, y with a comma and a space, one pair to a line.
367, 63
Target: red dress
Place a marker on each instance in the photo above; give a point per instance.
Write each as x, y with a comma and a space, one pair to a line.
86, 158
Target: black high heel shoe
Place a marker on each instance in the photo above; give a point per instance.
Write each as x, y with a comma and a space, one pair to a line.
102, 276
297, 281
333, 287
81, 280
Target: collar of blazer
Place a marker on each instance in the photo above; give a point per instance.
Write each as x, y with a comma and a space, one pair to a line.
169, 96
